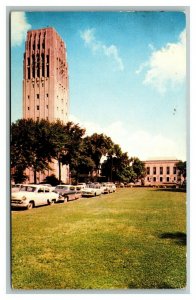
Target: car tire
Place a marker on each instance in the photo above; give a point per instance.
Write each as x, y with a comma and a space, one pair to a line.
30, 205
65, 200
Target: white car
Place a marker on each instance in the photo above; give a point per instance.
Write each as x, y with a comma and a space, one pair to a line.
31, 195
16, 187
108, 188
91, 190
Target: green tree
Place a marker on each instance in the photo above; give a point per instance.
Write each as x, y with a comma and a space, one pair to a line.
181, 167
138, 168
96, 146
33, 145
117, 166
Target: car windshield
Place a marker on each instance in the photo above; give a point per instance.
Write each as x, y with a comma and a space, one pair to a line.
28, 189
92, 186
65, 188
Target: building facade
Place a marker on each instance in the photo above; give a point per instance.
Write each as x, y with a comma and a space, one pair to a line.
46, 85
161, 171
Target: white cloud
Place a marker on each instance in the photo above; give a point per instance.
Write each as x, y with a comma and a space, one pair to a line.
138, 143
167, 66
88, 35
111, 51
19, 27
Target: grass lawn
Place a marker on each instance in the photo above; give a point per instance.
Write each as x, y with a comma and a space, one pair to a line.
134, 238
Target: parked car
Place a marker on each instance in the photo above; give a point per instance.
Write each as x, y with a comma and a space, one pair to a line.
31, 195
91, 190
82, 185
108, 188
16, 187
67, 192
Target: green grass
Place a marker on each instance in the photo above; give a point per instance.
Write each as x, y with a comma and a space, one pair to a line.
135, 238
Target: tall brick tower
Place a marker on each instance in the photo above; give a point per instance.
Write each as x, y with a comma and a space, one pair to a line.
45, 80
46, 86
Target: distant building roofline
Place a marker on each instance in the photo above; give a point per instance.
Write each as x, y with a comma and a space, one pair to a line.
161, 158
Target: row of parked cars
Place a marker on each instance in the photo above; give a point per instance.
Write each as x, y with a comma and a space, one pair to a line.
31, 195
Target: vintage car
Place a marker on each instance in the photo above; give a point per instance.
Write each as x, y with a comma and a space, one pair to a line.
91, 190
67, 192
16, 187
31, 195
108, 188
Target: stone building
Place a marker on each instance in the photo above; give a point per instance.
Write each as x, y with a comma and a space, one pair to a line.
46, 85
161, 171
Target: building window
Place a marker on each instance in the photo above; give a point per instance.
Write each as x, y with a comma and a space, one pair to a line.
37, 96
154, 170
28, 97
47, 95
43, 64
168, 170
28, 108
174, 178
28, 73
167, 179
47, 70
47, 106
37, 107
161, 170
148, 170
161, 179
174, 170
154, 179
42, 84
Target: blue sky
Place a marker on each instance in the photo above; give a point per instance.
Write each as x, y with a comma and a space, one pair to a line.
127, 75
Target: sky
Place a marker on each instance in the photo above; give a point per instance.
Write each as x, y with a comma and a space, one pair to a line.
127, 75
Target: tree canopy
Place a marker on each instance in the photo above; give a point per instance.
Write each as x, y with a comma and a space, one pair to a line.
35, 144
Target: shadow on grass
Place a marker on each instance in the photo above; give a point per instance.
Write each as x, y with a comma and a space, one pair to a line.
178, 237
171, 190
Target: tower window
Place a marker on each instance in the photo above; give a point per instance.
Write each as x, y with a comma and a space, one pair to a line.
161, 170
47, 106
28, 108
47, 70
168, 170
154, 170
28, 73
37, 107
37, 96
